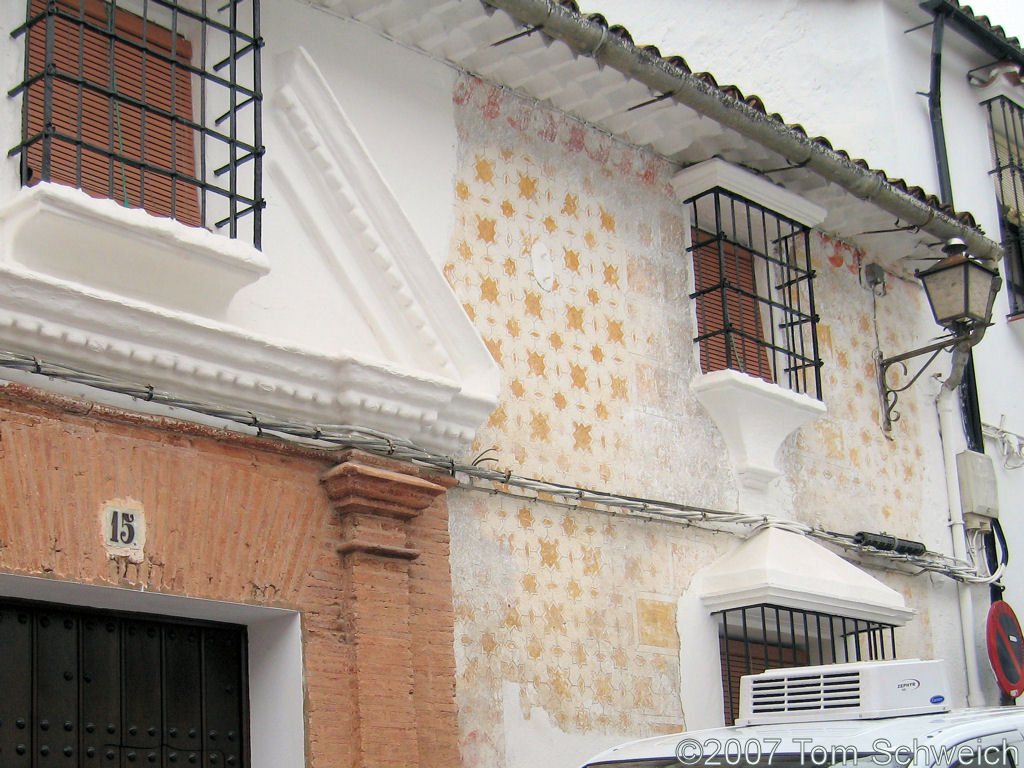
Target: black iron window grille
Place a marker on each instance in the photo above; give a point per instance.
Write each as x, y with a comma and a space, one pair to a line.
754, 291
155, 104
760, 637
83, 687
1006, 125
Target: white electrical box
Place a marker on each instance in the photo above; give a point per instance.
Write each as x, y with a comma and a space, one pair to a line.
978, 492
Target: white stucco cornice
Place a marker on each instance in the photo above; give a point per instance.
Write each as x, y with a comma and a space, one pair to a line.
778, 567
205, 360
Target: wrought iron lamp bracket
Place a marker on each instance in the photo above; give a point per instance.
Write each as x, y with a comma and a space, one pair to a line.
889, 396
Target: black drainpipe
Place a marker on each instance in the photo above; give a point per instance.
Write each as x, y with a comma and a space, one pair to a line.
968, 389
935, 110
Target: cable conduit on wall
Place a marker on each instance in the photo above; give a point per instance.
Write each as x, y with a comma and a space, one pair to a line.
473, 476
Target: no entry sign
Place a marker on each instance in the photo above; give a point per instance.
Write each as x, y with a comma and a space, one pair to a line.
1005, 648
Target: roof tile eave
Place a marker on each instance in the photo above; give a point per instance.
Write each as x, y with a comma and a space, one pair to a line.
753, 102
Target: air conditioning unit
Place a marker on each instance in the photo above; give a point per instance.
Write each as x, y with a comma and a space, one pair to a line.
861, 690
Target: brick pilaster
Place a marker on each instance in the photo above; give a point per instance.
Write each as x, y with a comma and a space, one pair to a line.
380, 503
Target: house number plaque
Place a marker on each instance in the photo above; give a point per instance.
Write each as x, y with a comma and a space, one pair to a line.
124, 530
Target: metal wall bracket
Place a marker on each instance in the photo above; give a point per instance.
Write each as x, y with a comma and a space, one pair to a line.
888, 396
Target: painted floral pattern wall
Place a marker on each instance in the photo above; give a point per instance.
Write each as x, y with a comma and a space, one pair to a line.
569, 256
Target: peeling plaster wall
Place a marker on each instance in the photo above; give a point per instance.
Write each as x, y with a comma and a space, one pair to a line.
579, 299
568, 256
861, 88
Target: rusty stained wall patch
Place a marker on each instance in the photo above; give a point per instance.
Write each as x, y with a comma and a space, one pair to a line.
123, 528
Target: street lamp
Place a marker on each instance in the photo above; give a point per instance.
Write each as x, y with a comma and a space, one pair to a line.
961, 291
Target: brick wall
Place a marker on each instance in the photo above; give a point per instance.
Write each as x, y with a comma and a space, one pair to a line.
357, 544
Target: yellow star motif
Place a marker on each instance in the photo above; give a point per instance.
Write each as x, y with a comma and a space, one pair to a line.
611, 275
539, 428
484, 170
494, 347
572, 260
533, 305
571, 204
607, 221
485, 229
527, 186
489, 290
574, 317
536, 362
581, 434
578, 374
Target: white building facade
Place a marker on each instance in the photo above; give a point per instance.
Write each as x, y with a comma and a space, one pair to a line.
497, 388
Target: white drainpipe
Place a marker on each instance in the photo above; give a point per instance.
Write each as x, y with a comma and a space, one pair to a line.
949, 430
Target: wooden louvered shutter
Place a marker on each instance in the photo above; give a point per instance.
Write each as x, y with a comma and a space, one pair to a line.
736, 266
116, 132
751, 658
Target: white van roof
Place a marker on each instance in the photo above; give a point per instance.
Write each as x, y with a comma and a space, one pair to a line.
933, 731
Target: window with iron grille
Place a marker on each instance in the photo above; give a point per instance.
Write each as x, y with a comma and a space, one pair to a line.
1006, 123
760, 637
84, 687
155, 104
754, 292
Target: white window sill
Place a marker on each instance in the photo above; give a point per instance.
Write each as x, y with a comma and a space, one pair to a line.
63, 232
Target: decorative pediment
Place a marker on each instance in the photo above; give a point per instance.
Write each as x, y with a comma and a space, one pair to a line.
343, 319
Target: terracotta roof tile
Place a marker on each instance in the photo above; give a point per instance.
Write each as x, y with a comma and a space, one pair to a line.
755, 102
985, 22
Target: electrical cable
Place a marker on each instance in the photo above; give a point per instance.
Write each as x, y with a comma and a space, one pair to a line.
473, 476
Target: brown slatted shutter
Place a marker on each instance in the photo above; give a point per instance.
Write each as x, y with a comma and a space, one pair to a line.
716, 262
145, 71
751, 658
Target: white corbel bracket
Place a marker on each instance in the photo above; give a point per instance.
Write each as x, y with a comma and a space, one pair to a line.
754, 417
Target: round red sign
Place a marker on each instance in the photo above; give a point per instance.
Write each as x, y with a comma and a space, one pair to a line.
1005, 648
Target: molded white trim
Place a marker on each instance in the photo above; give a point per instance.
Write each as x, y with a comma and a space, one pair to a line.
434, 382
64, 232
716, 172
787, 569
1004, 80
382, 264
205, 360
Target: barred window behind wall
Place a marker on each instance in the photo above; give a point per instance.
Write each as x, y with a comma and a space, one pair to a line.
754, 292
154, 104
1006, 123
761, 637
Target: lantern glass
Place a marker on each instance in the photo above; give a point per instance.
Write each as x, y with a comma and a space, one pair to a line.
960, 291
